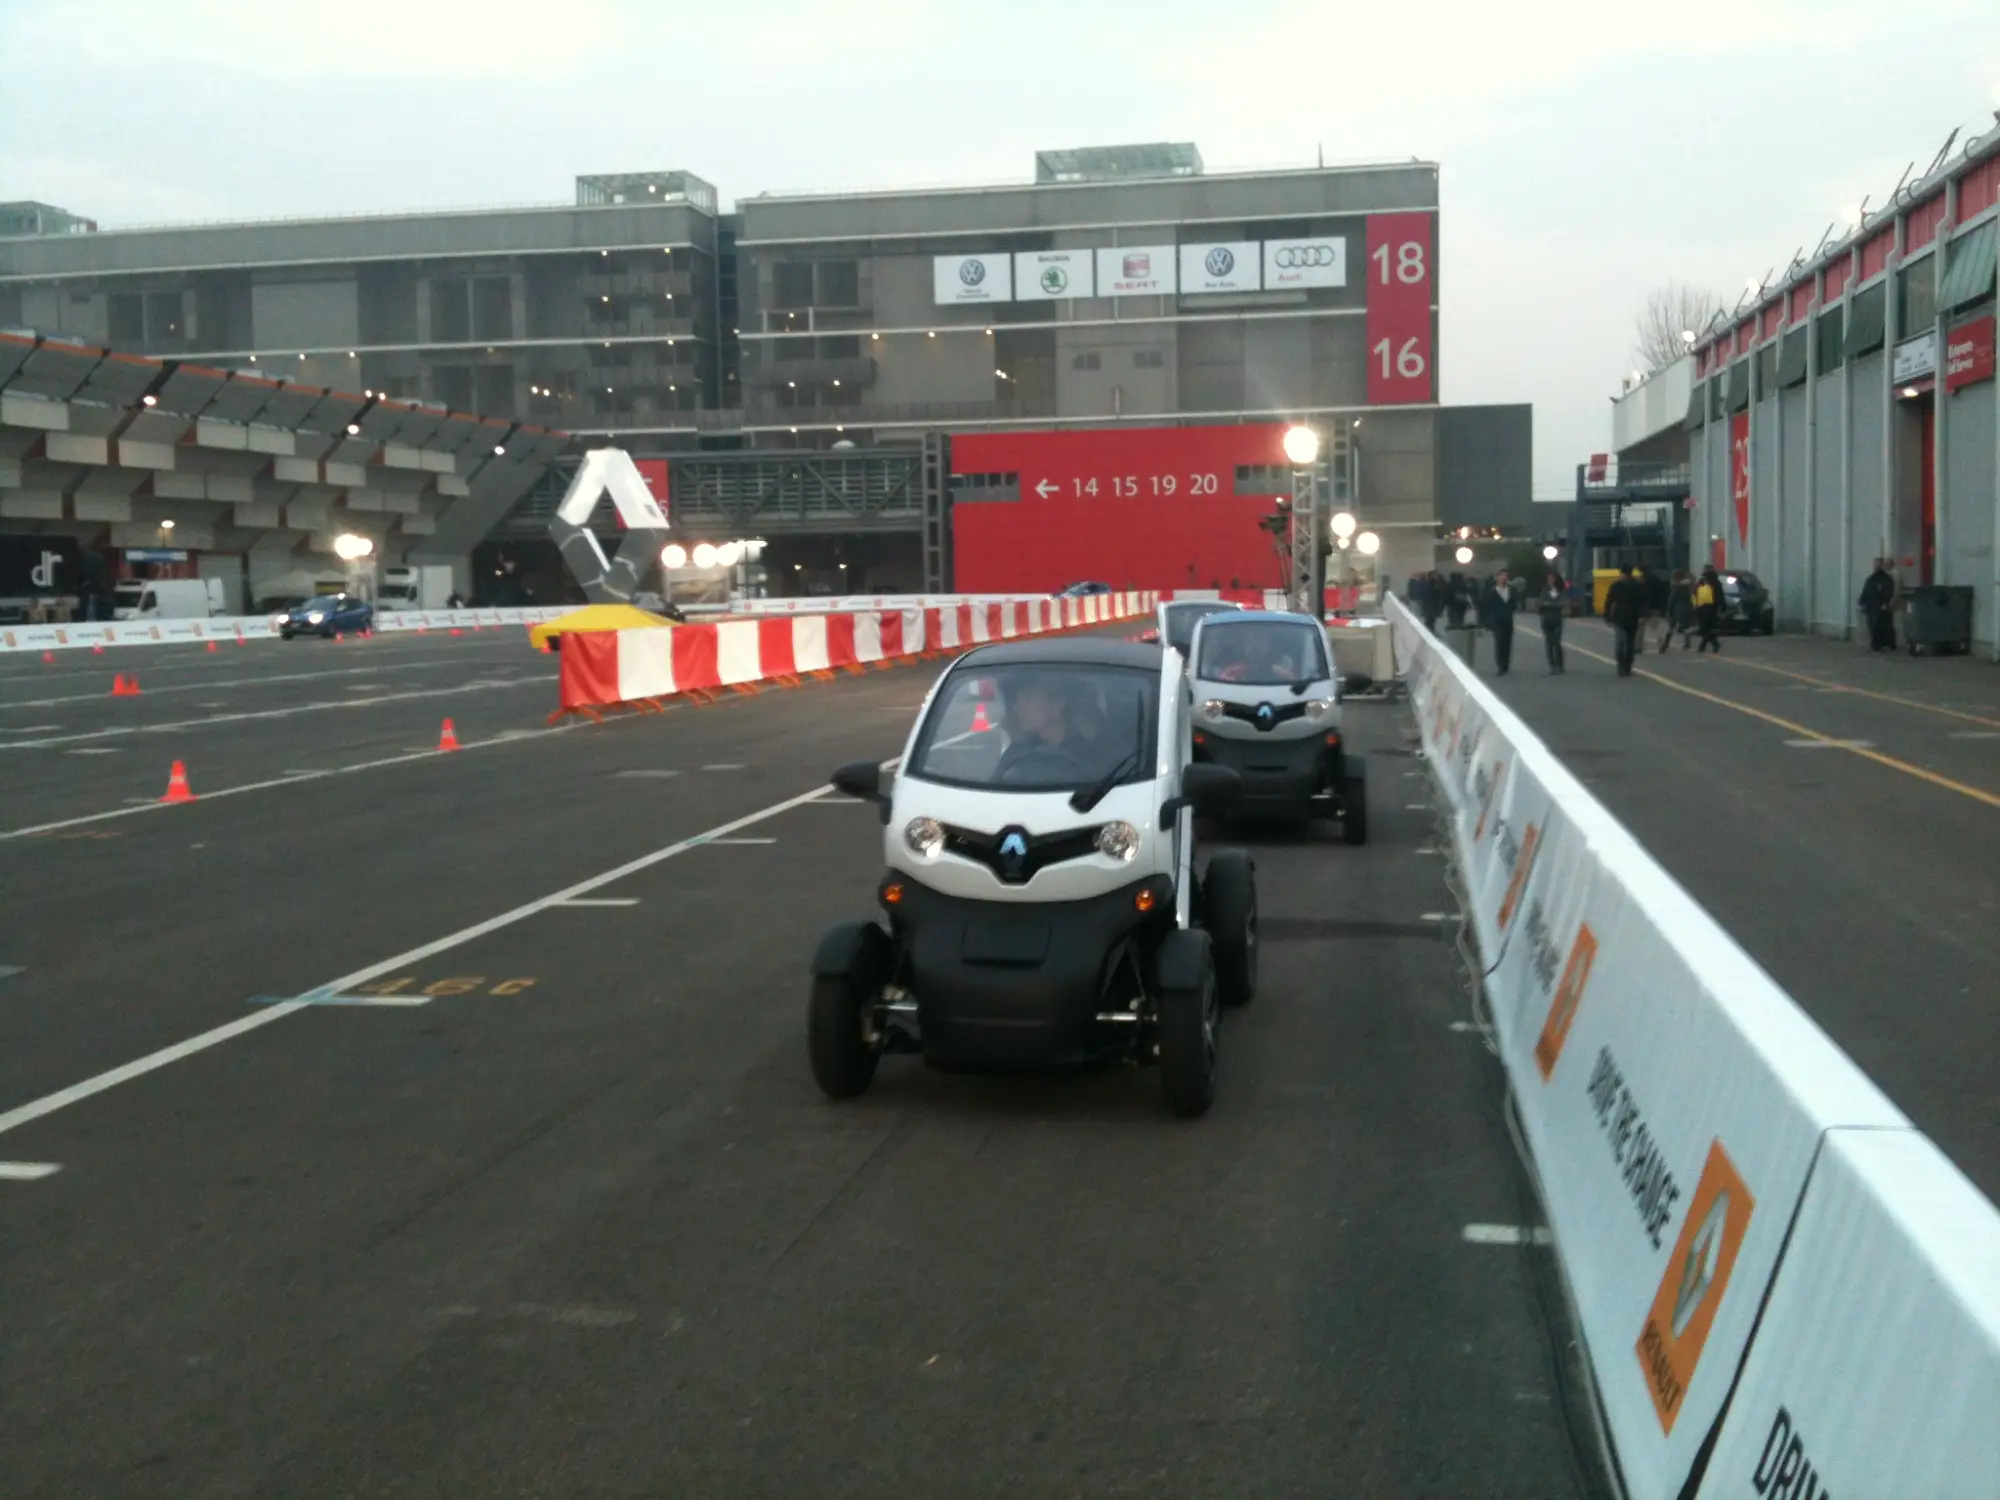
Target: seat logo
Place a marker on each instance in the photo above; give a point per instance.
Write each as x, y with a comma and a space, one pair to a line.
1298, 257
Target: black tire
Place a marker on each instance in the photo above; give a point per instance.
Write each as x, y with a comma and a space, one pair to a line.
1229, 912
1190, 1023
843, 1056
1354, 810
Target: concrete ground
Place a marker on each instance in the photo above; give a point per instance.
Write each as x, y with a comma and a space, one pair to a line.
580, 1223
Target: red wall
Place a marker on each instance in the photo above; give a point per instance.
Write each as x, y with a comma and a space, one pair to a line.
1147, 507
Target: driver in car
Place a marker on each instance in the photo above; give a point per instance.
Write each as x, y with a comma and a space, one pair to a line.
1257, 657
1048, 723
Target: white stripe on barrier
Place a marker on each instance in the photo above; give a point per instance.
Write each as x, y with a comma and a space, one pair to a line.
868, 637
645, 663
1673, 1097
736, 652
809, 643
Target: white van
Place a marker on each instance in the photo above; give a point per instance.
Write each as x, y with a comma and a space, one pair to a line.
167, 599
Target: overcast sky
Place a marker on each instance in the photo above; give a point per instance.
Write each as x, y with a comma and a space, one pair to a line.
1588, 153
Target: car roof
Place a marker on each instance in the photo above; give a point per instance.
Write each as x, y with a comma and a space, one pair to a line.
1093, 651
1273, 616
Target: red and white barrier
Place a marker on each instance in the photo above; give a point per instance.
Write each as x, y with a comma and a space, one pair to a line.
1685, 1116
601, 669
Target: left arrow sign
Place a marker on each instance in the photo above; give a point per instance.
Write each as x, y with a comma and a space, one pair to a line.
1045, 489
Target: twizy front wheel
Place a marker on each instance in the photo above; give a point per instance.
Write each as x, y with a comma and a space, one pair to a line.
840, 1024
1229, 892
1190, 1017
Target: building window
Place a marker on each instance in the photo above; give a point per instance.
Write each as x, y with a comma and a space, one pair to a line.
128, 319
1916, 297
493, 308
451, 312
493, 390
1089, 359
846, 346
792, 284
1148, 359
839, 283
1829, 330
452, 385
791, 350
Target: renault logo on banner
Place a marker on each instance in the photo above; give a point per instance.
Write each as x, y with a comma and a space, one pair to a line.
1696, 1277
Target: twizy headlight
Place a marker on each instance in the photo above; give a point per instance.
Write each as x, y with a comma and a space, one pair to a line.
1119, 840
1212, 709
924, 836
1319, 708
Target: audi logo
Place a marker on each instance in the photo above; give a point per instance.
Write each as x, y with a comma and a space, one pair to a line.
1298, 257
972, 272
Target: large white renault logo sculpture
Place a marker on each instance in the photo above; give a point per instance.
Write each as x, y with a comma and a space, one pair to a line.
609, 471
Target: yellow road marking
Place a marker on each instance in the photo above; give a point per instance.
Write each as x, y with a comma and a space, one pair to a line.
1841, 687
1975, 793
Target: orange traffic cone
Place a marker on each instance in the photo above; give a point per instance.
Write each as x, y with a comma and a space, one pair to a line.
48, 658
211, 645
177, 785
96, 650
456, 631
447, 737
125, 687
980, 723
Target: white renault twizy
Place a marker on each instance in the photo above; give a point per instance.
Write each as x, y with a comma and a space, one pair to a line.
1268, 706
1042, 904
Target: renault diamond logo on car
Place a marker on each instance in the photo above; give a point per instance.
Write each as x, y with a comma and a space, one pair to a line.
1264, 720
1015, 845
972, 272
1221, 261
1055, 280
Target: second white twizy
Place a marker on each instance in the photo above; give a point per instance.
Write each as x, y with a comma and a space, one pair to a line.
1042, 906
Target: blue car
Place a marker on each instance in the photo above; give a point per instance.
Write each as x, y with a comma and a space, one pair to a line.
329, 615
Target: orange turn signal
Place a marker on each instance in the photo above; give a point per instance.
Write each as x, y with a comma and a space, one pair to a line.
1145, 899
892, 893
1334, 738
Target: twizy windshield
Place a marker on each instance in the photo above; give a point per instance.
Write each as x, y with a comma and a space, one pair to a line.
1040, 727
1182, 619
1262, 653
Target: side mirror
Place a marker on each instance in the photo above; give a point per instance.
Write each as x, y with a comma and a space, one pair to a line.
862, 779
1355, 682
1205, 787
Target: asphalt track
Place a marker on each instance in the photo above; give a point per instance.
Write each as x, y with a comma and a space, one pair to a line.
580, 1224
1839, 814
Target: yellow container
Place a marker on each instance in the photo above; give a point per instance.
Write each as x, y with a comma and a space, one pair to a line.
1601, 580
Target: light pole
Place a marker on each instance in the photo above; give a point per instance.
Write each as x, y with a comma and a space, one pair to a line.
355, 552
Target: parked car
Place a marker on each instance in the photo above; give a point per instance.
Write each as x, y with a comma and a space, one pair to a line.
1082, 590
1175, 620
1746, 605
329, 615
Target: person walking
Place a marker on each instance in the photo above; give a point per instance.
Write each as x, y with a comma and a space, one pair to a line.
1624, 608
1496, 613
1456, 601
1553, 604
1878, 598
1433, 604
1680, 610
1708, 611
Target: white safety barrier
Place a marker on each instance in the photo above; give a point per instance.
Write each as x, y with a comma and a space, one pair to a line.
1680, 1109
248, 628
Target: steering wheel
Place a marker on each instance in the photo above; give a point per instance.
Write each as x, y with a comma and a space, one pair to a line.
1045, 762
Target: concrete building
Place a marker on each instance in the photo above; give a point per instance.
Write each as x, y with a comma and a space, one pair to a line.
1123, 286
1846, 411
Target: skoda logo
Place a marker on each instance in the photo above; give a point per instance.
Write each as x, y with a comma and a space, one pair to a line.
1221, 261
972, 272
1015, 845
1055, 279
1298, 257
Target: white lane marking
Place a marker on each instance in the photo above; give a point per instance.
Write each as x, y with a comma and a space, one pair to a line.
726, 767
743, 841
273, 713
27, 1171
8, 971
1973, 734
1464, 1026
1507, 1234
601, 901
354, 1000
227, 682
290, 778
1830, 744
1425, 849
1435, 916
30, 729
47, 1105
1415, 806
95, 750
661, 775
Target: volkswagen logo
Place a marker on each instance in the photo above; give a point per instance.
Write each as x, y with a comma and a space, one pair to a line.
1220, 261
972, 272
1298, 257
